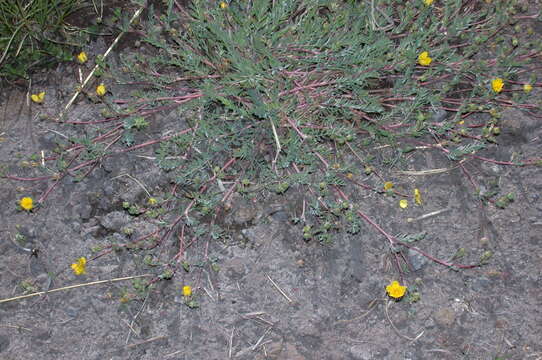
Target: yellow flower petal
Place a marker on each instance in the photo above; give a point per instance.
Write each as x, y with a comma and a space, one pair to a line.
27, 203
396, 290
497, 84
403, 203
427, 2
223, 4
101, 90
187, 291
417, 196
527, 88
424, 59
388, 185
82, 57
79, 267
38, 98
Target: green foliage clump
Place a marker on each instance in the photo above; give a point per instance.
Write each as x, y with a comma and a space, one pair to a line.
291, 97
283, 95
300, 83
292, 89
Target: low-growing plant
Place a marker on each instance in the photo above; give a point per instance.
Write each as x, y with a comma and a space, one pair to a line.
304, 97
288, 89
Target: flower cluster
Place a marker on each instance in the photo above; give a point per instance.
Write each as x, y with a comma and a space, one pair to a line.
26, 203
388, 185
79, 268
497, 85
396, 290
417, 197
38, 98
424, 59
101, 90
82, 57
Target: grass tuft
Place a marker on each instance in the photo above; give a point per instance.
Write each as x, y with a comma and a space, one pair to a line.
34, 34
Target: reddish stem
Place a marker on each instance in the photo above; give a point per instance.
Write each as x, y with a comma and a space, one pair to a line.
393, 240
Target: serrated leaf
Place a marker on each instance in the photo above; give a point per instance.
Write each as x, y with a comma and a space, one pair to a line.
410, 238
128, 138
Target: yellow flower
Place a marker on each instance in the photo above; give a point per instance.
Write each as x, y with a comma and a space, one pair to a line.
152, 201
187, 291
427, 2
388, 185
79, 267
403, 203
497, 84
101, 90
417, 196
424, 59
38, 98
527, 88
223, 4
27, 203
395, 290
82, 57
